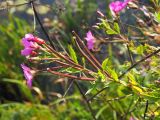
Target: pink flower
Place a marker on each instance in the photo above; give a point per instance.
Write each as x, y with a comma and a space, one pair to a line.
118, 6
30, 37
30, 44
28, 74
90, 40
27, 51
131, 118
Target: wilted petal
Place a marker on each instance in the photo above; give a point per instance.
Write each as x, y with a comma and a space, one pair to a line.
27, 74
25, 67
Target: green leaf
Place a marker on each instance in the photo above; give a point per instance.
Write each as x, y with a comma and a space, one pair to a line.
101, 76
157, 16
105, 24
116, 27
114, 75
154, 95
72, 53
137, 89
132, 79
140, 49
111, 32
105, 63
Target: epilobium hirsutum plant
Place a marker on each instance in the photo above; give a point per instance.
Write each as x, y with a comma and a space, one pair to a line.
126, 84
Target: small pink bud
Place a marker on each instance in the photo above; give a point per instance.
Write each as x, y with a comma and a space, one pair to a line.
33, 54
39, 40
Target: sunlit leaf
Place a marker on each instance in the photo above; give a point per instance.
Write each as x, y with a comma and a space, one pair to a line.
105, 63
116, 27
72, 53
111, 31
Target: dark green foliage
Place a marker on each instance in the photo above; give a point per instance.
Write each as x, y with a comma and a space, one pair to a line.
17, 111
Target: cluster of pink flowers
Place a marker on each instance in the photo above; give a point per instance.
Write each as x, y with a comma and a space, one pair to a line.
31, 44
118, 6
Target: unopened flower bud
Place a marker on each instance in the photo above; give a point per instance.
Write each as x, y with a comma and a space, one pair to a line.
33, 53
100, 13
39, 40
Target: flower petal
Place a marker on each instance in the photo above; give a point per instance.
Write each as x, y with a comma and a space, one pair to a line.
90, 40
26, 51
27, 74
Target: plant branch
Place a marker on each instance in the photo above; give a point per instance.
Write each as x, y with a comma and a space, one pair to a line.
97, 64
70, 85
130, 55
91, 98
70, 76
137, 63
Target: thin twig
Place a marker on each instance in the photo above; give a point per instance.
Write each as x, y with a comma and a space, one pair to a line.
70, 85
146, 109
73, 66
85, 98
91, 98
39, 21
70, 76
130, 55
